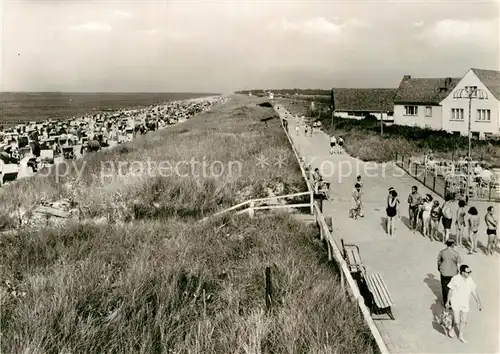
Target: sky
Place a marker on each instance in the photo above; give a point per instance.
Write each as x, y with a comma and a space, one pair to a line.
222, 46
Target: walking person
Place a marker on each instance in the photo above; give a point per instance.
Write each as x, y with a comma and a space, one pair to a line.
473, 221
426, 216
491, 230
297, 129
414, 200
359, 181
448, 261
392, 210
357, 207
333, 142
305, 130
435, 217
340, 143
447, 217
461, 288
460, 222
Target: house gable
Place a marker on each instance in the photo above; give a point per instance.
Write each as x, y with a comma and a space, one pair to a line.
485, 77
484, 113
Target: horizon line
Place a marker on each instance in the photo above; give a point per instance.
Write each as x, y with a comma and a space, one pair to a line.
121, 92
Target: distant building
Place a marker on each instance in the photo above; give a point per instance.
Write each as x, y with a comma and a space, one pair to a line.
359, 103
485, 113
417, 101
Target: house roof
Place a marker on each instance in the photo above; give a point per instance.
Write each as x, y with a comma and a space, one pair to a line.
366, 99
490, 79
424, 90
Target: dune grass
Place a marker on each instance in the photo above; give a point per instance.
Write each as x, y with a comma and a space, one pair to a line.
166, 283
363, 138
176, 288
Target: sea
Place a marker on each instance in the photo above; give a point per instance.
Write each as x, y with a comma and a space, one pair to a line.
20, 107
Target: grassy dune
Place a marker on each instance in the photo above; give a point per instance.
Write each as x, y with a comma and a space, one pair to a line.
363, 139
166, 283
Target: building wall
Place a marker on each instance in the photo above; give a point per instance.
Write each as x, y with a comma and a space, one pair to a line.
385, 117
478, 127
419, 120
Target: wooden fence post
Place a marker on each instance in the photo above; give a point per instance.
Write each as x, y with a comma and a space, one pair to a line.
269, 289
251, 210
311, 196
434, 183
342, 278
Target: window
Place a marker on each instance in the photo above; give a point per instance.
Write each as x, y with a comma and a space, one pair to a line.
428, 111
483, 115
457, 114
411, 110
469, 89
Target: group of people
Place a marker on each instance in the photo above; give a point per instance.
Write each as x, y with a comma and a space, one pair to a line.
336, 145
320, 185
426, 213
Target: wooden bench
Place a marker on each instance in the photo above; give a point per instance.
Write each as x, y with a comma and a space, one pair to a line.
381, 298
353, 258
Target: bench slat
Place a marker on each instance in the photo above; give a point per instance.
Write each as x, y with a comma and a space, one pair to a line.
351, 257
384, 291
379, 290
357, 257
375, 291
385, 298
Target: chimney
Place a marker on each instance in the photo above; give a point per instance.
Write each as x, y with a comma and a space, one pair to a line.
407, 77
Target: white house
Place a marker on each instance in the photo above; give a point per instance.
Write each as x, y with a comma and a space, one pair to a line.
485, 113
417, 101
358, 103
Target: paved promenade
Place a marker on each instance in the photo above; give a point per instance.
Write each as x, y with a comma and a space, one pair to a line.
406, 261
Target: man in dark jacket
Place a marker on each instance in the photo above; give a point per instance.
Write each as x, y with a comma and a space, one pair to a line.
448, 262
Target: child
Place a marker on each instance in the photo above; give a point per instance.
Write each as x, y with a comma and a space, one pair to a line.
435, 216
